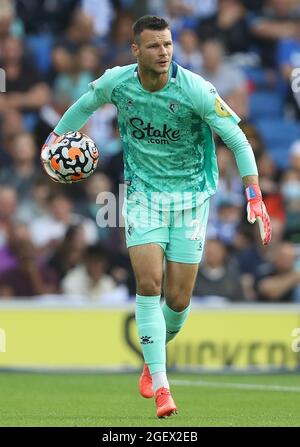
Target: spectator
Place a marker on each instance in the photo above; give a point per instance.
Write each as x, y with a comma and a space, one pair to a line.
278, 20
10, 125
218, 275
180, 16
48, 230
18, 233
101, 126
79, 32
254, 138
290, 189
121, 269
118, 48
113, 146
229, 81
294, 156
225, 224
73, 82
29, 278
278, 280
25, 89
269, 183
194, 8
251, 254
230, 183
187, 51
99, 183
42, 16
10, 24
69, 253
36, 205
8, 206
102, 17
230, 25
90, 279
22, 174
288, 59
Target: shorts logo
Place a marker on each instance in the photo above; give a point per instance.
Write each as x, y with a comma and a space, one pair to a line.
146, 340
130, 229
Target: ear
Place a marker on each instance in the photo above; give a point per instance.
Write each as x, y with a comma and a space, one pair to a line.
135, 49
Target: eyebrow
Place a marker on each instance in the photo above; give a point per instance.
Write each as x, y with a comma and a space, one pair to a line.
156, 43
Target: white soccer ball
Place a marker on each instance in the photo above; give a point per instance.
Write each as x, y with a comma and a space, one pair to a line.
71, 158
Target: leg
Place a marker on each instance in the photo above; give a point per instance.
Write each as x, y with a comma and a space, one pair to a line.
147, 264
179, 283
183, 255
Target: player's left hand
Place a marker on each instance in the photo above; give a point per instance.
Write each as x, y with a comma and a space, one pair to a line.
256, 211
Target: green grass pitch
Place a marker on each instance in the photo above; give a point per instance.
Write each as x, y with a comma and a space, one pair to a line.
103, 400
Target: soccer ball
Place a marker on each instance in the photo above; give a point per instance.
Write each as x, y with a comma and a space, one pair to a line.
71, 158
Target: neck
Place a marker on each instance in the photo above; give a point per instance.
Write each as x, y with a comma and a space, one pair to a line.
152, 81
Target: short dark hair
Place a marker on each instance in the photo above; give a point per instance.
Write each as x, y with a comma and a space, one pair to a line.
149, 22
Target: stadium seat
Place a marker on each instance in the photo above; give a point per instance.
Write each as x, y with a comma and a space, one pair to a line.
265, 104
278, 135
280, 155
256, 76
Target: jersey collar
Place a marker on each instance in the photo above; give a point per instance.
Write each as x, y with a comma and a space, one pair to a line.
174, 67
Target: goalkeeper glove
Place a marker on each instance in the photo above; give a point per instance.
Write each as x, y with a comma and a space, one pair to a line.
256, 211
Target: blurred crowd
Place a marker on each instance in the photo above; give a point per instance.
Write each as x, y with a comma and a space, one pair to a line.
50, 242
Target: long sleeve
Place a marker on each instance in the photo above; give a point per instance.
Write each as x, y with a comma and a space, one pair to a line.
79, 113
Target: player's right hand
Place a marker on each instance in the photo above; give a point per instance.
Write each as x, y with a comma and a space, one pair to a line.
257, 211
44, 155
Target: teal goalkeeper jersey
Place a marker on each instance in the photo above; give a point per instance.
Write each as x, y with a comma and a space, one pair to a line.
166, 134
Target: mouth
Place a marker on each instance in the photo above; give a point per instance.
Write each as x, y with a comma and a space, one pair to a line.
163, 63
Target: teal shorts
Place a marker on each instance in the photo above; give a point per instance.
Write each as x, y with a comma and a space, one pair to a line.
181, 234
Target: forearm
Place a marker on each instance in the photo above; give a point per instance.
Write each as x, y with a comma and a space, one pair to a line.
244, 156
34, 99
273, 288
274, 30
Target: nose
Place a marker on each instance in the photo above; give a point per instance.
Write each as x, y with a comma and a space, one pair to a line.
163, 50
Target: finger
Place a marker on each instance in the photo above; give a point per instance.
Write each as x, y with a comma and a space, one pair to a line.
250, 214
264, 229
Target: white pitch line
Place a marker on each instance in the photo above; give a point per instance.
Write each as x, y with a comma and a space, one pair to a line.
240, 386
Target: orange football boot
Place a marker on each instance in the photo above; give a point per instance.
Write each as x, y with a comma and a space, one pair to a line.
165, 405
145, 383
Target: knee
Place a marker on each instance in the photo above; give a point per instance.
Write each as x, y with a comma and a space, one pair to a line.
177, 300
149, 286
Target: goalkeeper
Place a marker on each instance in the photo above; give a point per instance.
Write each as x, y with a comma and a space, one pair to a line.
166, 116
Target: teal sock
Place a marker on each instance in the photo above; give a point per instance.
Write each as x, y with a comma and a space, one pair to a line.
174, 320
152, 332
